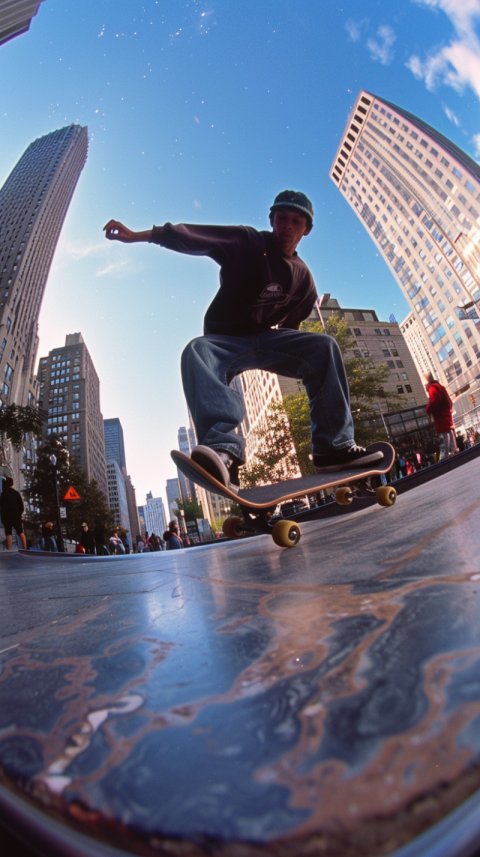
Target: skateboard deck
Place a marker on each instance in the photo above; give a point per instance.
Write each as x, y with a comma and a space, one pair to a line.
262, 500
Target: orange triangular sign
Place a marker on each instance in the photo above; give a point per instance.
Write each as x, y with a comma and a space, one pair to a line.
71, 494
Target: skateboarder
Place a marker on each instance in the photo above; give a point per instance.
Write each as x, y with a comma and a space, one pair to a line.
265, 292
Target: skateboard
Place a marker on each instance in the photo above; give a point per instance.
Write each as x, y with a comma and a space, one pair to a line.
258, 504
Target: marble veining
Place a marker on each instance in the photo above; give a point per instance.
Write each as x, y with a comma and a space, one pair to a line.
240, 693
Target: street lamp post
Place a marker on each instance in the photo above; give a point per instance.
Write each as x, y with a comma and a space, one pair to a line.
53, 462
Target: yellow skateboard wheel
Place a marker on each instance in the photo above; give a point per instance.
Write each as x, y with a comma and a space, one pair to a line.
386, 495
343, 495
231, 528
286, 534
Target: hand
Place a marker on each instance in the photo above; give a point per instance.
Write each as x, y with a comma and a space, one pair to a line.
116, 231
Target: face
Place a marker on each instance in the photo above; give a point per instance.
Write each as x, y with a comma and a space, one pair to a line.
289, 227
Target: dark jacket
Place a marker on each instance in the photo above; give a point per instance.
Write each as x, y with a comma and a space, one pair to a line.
99, 534
260, 286
87, 540
11, 504
440, 407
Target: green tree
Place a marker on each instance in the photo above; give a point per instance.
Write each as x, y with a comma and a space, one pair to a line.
191, 508
92, 506
275, 458
16, 422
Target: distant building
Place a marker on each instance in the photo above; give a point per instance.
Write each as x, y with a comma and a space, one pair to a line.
378, 342
173, 494
418, 196
188, 490
69, 392
15, 17
135, 528
117, 495
418, 345
115, 451
153, 514
259, 390
34, 201
114, 444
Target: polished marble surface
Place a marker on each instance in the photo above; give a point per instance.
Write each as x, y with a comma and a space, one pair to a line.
328, 693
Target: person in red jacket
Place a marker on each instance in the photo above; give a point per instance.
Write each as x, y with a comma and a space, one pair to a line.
440, 407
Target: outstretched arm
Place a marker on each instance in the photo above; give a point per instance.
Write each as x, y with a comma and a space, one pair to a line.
116, 231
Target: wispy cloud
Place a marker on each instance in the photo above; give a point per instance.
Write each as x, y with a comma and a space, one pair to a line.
103, 250
354, 30
476, 143
457, 64
451, 115
79, 251
381, 48
113, 268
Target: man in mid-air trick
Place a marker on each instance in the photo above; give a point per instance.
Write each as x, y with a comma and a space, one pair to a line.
265, 292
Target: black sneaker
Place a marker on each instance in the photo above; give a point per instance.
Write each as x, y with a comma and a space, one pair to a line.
343, 459
219, 464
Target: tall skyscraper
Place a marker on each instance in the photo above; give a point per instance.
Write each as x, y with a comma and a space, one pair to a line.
418, 196
15, 17
69, 390
115, 452
187, 489
186, 442
114, 445
33, 204
132, 505
173, 494
117, 495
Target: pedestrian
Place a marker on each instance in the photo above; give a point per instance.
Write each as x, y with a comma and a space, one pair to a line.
154, 542
87, 540
440, 408
172, 537
140, 544
146, 543
99, 536
48, 539
116, 545
11, 511
266, 291
460, 442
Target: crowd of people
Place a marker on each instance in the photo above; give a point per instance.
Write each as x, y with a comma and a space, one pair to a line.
96, 541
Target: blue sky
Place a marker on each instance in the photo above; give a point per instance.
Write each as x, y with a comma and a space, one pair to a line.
202, 112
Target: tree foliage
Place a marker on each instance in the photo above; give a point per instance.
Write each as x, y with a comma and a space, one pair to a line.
191, 508
16, 422
92, 506
275, 458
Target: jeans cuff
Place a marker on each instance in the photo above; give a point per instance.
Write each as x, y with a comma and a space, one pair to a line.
327, 450
233, 450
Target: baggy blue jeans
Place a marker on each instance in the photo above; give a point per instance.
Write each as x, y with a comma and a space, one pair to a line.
209, 363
